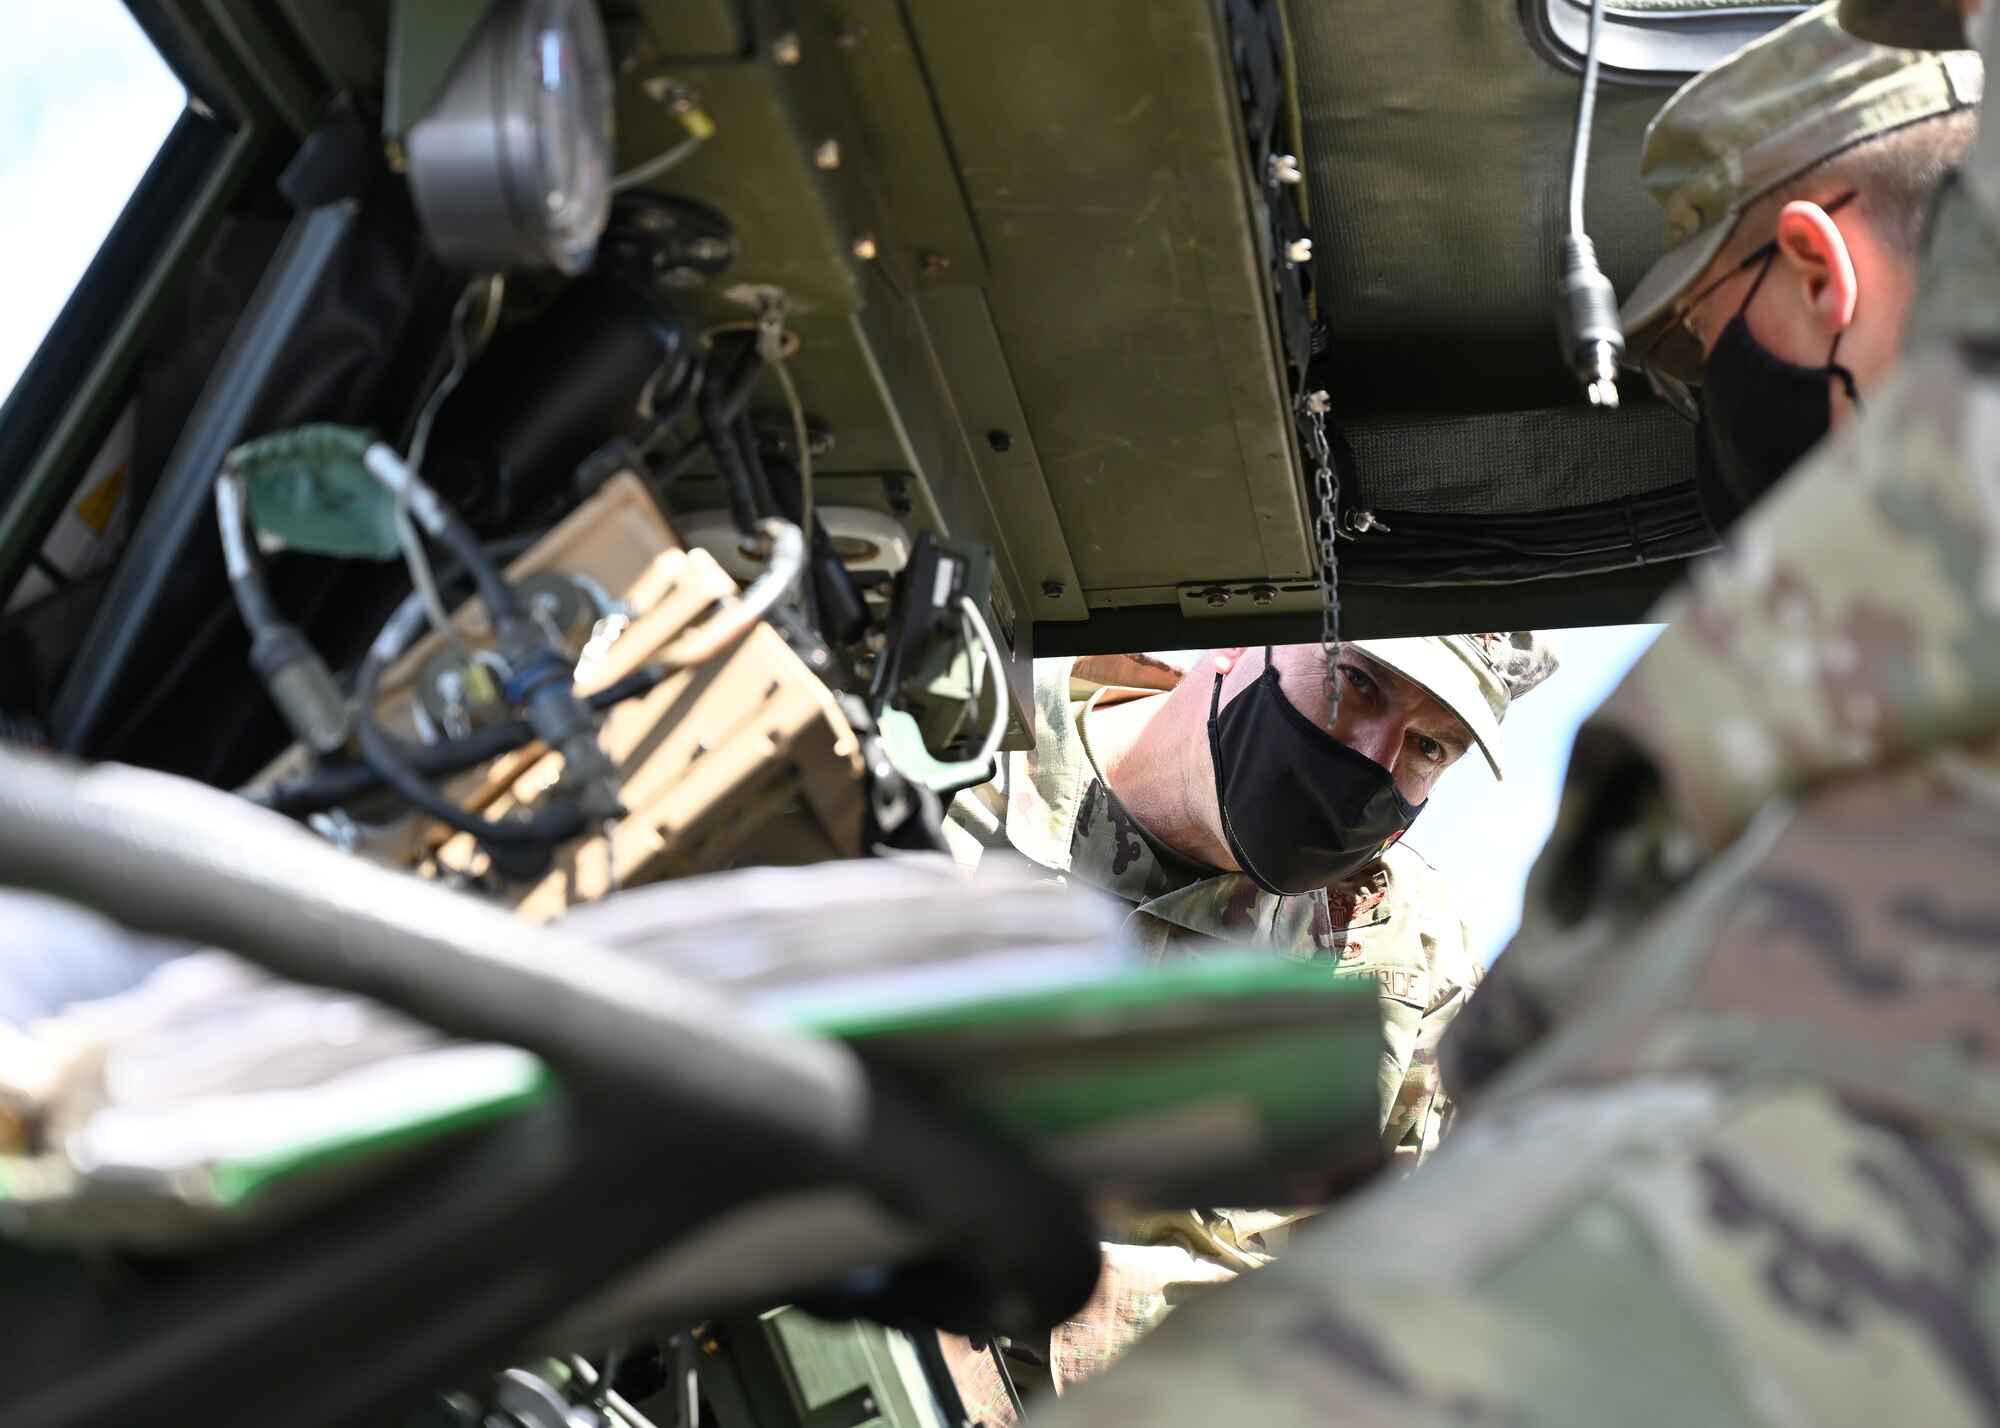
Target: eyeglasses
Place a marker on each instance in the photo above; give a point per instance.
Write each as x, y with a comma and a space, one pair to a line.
1682, 396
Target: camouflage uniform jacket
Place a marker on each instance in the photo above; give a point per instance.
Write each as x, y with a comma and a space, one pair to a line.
1738, 1161
1853, 624
1395, 924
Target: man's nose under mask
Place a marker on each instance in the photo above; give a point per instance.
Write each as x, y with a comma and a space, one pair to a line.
1300, 809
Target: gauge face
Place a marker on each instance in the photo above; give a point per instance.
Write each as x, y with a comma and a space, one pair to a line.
510, 165
571, 121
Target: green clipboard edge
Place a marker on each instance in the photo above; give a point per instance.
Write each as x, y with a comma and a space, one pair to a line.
1287, 1101
1236, 975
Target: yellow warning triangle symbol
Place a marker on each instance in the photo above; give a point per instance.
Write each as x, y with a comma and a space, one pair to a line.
101, 502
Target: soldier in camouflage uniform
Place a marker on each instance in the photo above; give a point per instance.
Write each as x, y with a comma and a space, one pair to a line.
1734, 1153
1412, 705
1795, 213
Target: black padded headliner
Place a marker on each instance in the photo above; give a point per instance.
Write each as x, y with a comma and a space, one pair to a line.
1437, 147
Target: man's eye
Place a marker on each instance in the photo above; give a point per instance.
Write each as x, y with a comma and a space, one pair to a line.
1430, 748
1361, 683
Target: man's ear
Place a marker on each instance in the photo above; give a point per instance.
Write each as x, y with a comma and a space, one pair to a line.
1814, 252
1225, 660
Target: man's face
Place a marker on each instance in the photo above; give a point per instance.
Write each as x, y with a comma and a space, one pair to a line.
1382, 714
1823, 276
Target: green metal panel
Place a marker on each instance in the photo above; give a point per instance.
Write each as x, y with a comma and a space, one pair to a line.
344, 38
786, 1369
683, 29
849, 1374
902, 140
757, 170
1099, 147
898, 352
280, 67
867, 366
425, 37
1614, 597
997, 433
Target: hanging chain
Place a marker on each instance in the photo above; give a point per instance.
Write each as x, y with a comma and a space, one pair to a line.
1326, 497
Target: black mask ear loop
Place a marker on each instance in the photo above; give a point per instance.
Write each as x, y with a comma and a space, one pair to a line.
1763, 272
1846, 377
1215, 690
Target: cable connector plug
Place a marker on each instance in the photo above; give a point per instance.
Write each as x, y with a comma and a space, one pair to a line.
302, 687
1587, 321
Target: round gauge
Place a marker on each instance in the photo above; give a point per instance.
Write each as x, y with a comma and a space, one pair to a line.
510, 166
572, 115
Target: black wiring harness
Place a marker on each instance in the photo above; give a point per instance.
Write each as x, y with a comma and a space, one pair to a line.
538, 686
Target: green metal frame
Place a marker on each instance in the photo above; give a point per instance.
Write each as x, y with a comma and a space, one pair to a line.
425, 39
786, 1369
212, 31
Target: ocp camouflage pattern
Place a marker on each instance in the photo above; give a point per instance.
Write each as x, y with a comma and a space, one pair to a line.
1853, 623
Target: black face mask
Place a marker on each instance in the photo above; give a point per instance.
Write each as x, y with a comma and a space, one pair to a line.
1759, 415
1300, 809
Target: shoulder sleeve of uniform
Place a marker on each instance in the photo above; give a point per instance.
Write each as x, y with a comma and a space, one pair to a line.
1854, 621
1435, 923
1791, 658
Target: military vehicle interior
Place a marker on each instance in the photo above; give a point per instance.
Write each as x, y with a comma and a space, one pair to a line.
891, 345
1045, 274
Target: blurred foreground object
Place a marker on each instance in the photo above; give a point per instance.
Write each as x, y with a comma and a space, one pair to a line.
212, 1095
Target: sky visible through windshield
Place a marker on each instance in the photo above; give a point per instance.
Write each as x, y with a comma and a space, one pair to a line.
85, 102
1484, 834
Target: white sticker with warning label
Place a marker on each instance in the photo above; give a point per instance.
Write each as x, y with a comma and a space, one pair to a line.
91, 528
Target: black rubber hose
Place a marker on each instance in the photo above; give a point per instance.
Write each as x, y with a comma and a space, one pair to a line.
719, 396
242, 559
741, 379
557, 823
253, 594
729, 462
333, 784
503, 602
680, 404
753, 462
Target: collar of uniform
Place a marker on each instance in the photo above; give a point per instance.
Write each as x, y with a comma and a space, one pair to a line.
1232, 909
1056, 786
1110, 847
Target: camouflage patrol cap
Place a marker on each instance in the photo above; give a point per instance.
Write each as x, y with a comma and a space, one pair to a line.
1913, 24
1477, 677
1780, 105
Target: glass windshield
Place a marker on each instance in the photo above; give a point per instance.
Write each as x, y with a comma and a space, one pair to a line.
85, 103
